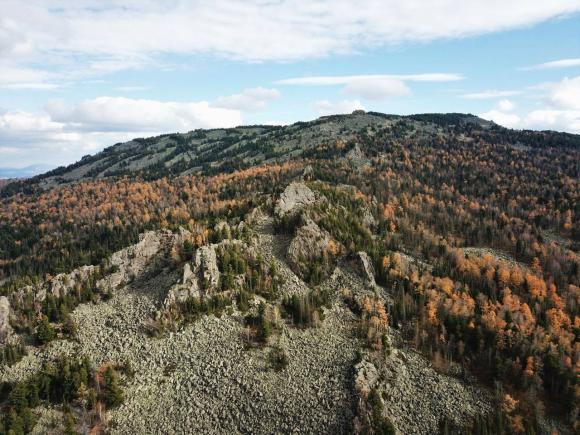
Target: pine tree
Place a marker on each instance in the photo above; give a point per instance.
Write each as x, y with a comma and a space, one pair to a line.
113, 393
69, 424
18, 397
187, 251
44, 331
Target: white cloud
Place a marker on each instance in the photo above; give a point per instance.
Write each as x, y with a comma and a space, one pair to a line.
562, 120
325, 107
22, 126
484, 95
9, 150
345, 80
253, 30
64, 132
376, 89
249, 100
14, 74
126, 114
510, 120
506, 105
566, 94
561, 109
562, 63
277, 122
372, 86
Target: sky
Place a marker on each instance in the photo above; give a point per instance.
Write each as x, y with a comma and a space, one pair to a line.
79, 75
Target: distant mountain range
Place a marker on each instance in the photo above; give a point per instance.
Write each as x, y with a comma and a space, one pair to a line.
26, 172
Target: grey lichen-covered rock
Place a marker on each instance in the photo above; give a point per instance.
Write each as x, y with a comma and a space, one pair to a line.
132, 262
62, 284
308, 172
128, 264
410, 264
255, 216
179, 240
294, 198
187, 274
202, 276
207, 268
368, 220
311, 244
357, 157
58, 286
365, 268
417, 397
203, 379
187, 287
5, 328
366, 377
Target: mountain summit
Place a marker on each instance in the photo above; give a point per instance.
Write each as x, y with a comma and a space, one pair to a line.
224, 150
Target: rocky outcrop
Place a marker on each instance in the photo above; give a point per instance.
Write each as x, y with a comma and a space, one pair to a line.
62, 284
294, 198
125, 266
136, 260
179, 240
187, 287
416, 397
311, 244
5, 328
308, 173
364, 266
255, 216
366, 377
357, 157
200, 277
411, 264
368, 220
206, 267
202, 378
58, 286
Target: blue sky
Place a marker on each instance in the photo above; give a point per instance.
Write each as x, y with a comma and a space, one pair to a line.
76, 76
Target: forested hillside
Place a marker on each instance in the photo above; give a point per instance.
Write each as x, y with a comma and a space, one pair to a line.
471, 229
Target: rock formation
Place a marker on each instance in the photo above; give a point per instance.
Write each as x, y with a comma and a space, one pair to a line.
5, 328
364, 266
311, 244
294, 198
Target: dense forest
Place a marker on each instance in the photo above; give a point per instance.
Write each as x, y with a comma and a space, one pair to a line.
477, 239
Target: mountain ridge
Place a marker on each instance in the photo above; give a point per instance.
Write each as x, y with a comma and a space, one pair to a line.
440, 250
211, 151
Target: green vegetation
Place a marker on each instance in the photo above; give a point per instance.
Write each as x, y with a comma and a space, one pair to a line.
472, 228
113, 394
66, 382
278, 358
11, 353
306, 310
52, 316
258, 277
194, 307
260, 324
44, 331
344, 215
379, 423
